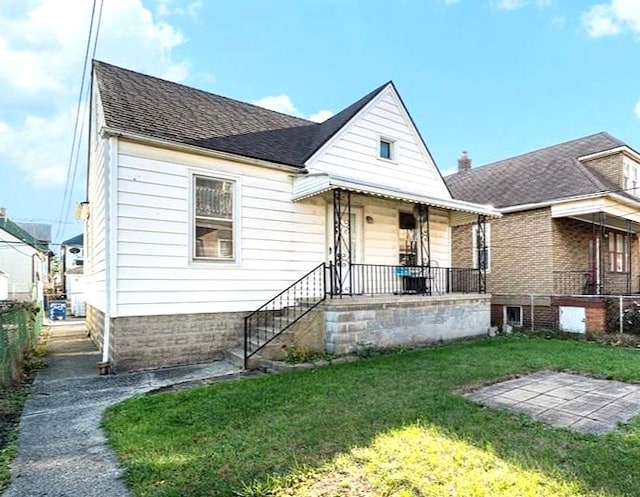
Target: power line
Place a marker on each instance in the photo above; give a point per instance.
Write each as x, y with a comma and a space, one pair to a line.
77, 130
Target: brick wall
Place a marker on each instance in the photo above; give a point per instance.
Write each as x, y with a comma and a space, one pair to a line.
520, 252
610, 167
571, 240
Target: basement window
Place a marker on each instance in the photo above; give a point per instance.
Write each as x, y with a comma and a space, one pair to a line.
513, 315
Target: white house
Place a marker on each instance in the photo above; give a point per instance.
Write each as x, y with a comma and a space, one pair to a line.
23, 260
72, 261
201, 209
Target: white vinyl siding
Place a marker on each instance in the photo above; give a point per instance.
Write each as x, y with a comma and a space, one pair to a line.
355, 151
17, 260
279, 241
95, 227
381, 237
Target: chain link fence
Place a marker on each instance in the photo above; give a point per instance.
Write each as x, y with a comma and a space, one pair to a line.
20, 326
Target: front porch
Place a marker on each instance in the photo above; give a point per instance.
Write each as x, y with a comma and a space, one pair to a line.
384, 245
595, 248
356, 324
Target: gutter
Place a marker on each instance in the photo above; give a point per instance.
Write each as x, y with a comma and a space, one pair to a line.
625, 149
110, 228
548, 203
193, 149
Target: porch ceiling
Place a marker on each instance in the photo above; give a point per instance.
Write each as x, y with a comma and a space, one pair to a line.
620, 213
312, 185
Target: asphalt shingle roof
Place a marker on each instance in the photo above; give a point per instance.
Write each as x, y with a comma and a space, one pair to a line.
548, 174
21, 234
76, 240
154, 107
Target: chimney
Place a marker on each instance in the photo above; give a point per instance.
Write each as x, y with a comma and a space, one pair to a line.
3, 212
464, 163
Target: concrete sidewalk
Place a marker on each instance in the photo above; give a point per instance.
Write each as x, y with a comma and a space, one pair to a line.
61, 448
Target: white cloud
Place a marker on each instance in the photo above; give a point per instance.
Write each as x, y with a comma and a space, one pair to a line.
636, 109
320, 116
166, 8
279, 103
517, 4
450, 2
509, 4
42, 45
607, 19
283, 103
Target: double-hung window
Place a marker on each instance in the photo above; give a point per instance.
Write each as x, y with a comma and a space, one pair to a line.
213, 218
618, 252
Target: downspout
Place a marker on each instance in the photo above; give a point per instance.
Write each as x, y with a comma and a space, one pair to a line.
110, 249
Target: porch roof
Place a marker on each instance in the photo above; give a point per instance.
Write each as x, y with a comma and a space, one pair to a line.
311, 185
619, 211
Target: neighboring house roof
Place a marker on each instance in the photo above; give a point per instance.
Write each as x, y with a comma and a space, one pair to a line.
76, 240
13, 229
149, 106
39, 231
544, 175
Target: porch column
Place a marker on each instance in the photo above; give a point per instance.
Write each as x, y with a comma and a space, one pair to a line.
341, 279
627, 261
482, 253
421, 213
600, 244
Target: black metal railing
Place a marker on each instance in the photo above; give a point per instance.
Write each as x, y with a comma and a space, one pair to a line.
380, 279
273, 318
586, 283
575, 283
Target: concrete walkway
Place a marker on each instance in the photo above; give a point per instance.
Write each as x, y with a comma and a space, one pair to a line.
564, 400
61, 448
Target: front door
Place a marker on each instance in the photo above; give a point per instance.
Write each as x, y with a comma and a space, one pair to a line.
347, 278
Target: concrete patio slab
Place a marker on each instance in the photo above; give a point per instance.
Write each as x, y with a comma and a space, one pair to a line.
565, 400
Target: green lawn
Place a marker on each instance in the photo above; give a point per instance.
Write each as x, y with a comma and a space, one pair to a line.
392, 425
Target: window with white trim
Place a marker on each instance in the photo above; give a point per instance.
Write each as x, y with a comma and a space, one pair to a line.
631, 179
386, 149
485, 254
213, 224
618, 252
513, 315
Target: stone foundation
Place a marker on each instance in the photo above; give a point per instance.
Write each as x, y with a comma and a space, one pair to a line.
146, 342
386, 322
338, 326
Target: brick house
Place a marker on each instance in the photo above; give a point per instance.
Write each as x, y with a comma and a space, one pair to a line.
571, 215
213, 225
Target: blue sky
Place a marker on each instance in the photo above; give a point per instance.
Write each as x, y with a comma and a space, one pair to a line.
494, 77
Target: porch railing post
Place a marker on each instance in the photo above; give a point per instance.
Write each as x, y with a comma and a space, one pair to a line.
482, 252
342, 242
